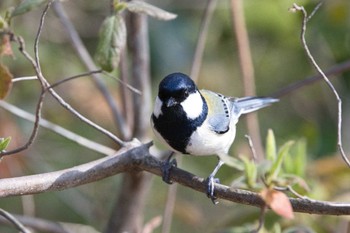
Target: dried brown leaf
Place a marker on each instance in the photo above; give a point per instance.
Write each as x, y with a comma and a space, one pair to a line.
278, 202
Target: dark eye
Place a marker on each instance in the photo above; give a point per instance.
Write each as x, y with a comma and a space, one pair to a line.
185, 93
181, 94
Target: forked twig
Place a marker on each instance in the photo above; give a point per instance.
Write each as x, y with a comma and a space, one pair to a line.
202, 38
46, 87
306, 18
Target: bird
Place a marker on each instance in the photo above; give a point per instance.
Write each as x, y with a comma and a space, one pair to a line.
198, 122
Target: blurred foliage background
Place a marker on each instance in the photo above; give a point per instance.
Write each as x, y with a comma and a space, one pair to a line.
279, 60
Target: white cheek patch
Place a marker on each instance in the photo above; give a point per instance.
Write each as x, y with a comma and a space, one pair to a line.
193, 105
157, 107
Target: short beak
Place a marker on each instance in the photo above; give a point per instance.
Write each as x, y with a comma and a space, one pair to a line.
170, 102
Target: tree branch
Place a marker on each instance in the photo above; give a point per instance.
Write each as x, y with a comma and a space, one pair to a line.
134, 158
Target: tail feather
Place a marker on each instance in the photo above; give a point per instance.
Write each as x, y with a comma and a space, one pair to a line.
250, 104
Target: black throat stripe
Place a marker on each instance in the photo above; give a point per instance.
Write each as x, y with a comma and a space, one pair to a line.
176, 128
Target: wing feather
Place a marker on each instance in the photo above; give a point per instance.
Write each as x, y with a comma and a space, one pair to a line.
219, 111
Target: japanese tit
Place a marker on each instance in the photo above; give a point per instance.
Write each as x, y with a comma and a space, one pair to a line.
199, 122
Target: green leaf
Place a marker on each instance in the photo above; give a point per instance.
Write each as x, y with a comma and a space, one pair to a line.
5, 81
277, 164
150, 10
271, 151
4, 142
295, 161
250, 170
112, 40
3, 24
300, 158
119, 6
27, 5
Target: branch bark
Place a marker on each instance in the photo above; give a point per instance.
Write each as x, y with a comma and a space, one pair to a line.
136, 158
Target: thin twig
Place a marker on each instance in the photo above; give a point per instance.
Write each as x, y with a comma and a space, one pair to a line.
250, 142
19, 226
126, 96
34, 131
169, 208
247, 69
92, 145
325, 78
290, 189
263, 210
202, 37
36, 45
40, 225
131, 88
28, 78
73, 77
334, 70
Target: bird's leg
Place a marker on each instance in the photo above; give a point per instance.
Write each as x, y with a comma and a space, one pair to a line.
166, 168
211, 180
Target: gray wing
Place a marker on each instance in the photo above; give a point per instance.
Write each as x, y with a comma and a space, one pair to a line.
219, 111
250, 104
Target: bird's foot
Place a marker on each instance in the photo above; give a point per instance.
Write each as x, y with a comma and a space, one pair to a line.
211, 188
166, 168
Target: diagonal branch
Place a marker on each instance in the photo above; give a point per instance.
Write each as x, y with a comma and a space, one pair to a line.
134, 158
289, 89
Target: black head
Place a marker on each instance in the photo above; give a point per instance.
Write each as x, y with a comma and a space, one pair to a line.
175, 88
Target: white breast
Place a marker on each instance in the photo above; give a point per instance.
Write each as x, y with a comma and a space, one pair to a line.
206, 142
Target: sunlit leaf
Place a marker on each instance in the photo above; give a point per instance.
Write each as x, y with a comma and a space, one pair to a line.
277, 164
5, 81
27, 5
119, 6
295, 161
300, 158
150, 10
271, 151
4, 142
278, 202
3, 24
112, 40
250, 170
